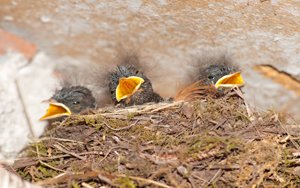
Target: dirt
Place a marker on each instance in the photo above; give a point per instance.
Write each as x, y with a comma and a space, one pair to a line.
213, 142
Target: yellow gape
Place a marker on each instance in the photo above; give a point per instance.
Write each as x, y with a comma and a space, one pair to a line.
128, 86
56, 110
230, 80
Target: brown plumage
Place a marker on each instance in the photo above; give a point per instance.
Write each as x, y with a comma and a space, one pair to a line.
195, 91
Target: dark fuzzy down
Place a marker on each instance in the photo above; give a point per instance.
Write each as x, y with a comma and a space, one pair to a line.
211, 72
144, 95
76, 98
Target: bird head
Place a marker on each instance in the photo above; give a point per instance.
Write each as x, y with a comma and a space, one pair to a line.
222, 75
125, 81
69, 100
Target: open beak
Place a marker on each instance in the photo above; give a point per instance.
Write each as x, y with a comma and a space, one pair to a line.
56, 110
230, 80
128, 86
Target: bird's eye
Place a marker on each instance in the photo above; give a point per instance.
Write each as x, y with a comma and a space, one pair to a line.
210, 77
76, 102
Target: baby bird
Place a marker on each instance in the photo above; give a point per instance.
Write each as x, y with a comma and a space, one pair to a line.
69, 100
221, 75
129, 86
212, 79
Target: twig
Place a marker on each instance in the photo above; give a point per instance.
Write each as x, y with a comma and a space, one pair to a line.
227, 168
63, 122
118, 160
93, 174
85, 185
64, 177
68, 152
137, 110
191, 182
288, 133
106, 155
45, 164
145, 180
173, 180
199, 178
29, 124
23, 160
122, 128
166, 106
217, 174
240, 94
59, 139
109, 151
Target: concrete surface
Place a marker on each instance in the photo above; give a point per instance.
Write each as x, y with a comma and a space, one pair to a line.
23, 86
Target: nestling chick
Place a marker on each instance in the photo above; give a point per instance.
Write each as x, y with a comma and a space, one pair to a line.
69, 100
221, 75
211, 79
129, 86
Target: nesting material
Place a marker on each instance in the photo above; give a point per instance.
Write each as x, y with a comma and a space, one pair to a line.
209, 142
10, 180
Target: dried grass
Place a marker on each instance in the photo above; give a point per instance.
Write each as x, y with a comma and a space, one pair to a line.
205, 143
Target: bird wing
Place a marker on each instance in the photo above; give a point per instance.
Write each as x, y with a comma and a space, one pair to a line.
195, 91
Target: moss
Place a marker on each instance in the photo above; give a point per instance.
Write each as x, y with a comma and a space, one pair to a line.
144, 135
31, 151
43, 150
46, 172
75, 184
24, 174
286, 161
125, 182
89, 120
72, 120
98, 127
110, 166
166, 140
131, 115
233, 144
204, 143
117, 123
207, 143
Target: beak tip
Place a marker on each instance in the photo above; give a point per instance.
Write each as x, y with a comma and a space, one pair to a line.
49, 101
55, 110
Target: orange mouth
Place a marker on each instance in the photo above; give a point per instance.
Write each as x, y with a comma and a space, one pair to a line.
56, 110
230, 80
128, 86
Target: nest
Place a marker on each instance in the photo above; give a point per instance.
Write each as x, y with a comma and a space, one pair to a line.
210, 142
